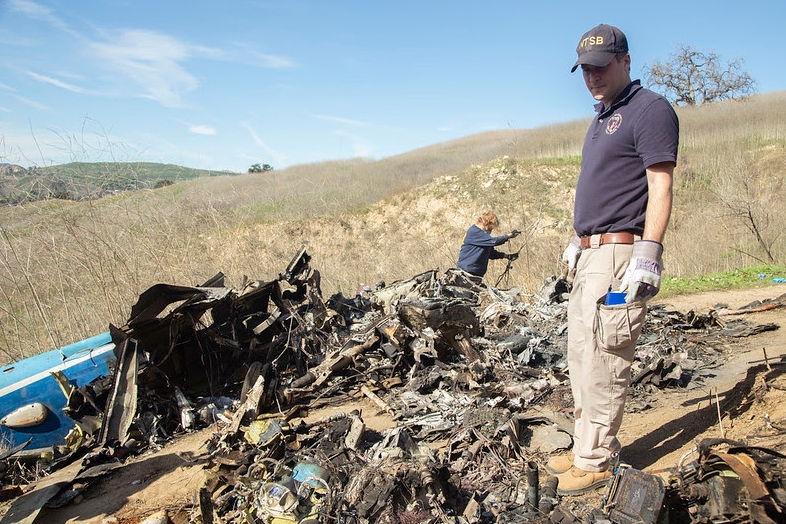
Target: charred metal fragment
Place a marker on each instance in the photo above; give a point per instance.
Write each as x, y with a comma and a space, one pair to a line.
121, 407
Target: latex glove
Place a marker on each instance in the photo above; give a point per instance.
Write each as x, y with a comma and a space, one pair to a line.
512, 256
642, 278
572, 253
514, 233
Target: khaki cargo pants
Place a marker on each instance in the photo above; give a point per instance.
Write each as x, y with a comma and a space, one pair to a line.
601, 345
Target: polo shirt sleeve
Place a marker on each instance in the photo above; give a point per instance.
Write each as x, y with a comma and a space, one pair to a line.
657, 133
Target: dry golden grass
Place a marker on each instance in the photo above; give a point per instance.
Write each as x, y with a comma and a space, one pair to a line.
68, 270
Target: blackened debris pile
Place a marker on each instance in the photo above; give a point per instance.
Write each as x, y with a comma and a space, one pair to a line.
472, 378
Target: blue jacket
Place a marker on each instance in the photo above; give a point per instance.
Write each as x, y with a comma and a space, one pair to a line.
477, 249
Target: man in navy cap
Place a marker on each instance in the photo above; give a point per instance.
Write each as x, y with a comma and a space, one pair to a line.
622, 207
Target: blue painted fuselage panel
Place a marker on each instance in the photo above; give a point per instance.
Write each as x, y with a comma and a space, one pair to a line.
30, 380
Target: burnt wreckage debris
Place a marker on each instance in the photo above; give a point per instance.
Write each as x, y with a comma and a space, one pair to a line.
472, 378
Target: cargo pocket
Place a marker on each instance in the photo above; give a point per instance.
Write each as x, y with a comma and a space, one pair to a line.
618, 326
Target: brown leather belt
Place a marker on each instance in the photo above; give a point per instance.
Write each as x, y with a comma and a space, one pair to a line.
607, 238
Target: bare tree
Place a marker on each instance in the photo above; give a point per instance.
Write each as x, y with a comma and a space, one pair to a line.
748, 205
691, 77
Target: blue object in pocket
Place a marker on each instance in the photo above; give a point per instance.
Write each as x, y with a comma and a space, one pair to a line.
614, 298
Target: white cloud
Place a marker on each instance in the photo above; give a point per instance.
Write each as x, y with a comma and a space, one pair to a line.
202, 130
274, 62
155, 61
360, 146
38, 12
32, 103
340, 120
31, 9
278, 158
246, 54
150, 60
56, 82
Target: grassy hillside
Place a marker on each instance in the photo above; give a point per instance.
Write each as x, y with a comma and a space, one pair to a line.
68, 269
87, 180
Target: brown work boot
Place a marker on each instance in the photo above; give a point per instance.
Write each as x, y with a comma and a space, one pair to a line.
560, 464
576, 481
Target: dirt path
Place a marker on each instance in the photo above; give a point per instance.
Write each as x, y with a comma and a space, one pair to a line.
658, 437
654, 438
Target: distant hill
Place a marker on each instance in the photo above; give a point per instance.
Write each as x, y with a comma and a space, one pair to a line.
89, 180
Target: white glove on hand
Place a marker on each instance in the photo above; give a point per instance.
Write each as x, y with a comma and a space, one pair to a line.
642, 278
572, 253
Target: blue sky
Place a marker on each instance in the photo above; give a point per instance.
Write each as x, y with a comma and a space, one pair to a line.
224, 85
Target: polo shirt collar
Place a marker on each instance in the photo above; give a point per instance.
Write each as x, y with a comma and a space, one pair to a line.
622, 98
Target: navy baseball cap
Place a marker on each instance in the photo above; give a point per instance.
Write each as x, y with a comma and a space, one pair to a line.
599, 45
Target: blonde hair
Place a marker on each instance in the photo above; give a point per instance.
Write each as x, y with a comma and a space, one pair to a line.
488, 221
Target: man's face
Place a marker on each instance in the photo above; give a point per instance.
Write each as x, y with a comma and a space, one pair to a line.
605, 83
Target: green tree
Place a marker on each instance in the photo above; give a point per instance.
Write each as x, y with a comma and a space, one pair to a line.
257, 168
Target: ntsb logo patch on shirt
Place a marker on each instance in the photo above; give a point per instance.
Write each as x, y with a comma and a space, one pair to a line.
613, 123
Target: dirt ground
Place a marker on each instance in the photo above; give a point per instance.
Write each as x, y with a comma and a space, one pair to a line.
653, 439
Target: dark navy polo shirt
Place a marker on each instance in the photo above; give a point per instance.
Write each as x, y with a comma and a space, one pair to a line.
640, 129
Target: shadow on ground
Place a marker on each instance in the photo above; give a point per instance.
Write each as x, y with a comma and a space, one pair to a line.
129, 483
700, 416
